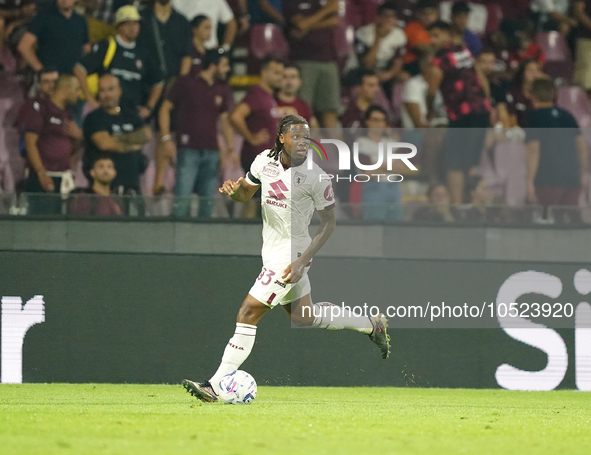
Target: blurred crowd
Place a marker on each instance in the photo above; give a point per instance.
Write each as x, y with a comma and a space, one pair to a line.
108, 98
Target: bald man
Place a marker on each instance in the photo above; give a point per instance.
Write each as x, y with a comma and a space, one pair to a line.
117, 132
51, 141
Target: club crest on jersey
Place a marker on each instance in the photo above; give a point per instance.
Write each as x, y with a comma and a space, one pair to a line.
271, 172
299, 179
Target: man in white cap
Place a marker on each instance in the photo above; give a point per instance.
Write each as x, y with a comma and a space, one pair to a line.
132, 64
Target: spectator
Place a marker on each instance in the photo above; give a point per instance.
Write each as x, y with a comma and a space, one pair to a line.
266, 12
256, 117
198, 103
582, 13
467, 107
57, 37
439, 210
287, 100
517, 104
556, 151
527, 47
201, 27
167, 35
553, 15
459, 26
417, 36
380, 47
310, 36
381, 196
45, 87
480, 197
218, 11
14, 18
354, 115
97, 198
104, 10
494, 87
119, 132
51, 141
415, 112
131, 63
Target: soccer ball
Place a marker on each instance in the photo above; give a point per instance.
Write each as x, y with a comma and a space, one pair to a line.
238, 387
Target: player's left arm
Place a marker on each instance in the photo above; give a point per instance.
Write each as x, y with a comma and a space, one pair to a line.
295, 270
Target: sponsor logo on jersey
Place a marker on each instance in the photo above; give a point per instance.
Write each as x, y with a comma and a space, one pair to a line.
276, 203
271, 172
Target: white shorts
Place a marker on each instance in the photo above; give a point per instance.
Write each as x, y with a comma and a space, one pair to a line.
271, 290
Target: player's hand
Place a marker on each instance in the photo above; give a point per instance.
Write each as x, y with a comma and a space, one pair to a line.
294, 272
260, 137
230, 186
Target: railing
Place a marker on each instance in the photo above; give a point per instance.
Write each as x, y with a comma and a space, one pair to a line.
167, 206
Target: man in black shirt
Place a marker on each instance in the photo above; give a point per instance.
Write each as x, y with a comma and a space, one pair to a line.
57, 37
556, 151
167, 34
118, 132
131, 63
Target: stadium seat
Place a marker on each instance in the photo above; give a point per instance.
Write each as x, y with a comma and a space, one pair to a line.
351, 13
494, 17
268, 40
559, 62
344, 36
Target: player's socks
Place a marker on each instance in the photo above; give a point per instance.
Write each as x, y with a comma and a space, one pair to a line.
326, 316
236, 352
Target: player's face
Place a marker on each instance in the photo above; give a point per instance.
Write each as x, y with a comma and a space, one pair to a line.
223, 69
291, 81
129, 30
203, 32
103, 172
47, 83
439, 38
295, 142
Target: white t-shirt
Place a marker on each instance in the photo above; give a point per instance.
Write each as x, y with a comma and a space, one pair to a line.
415, 91
216, 10
288, 199
392, 45
548, 6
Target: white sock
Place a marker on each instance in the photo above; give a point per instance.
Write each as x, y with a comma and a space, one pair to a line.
236, 352
330, 316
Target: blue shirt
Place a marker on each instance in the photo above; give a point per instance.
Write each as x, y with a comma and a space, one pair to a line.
473, 43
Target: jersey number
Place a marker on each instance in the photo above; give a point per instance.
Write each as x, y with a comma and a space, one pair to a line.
268, 274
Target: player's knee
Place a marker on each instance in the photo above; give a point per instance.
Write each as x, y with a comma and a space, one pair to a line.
250, 313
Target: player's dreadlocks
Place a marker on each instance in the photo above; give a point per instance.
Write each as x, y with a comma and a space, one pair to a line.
284, 125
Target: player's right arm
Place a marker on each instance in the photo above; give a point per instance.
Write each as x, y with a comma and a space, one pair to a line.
240, 190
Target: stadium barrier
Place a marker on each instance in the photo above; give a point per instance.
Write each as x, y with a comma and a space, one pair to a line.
157, 318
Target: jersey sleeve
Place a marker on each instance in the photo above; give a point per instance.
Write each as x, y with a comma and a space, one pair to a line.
323, 195
253, 176
226, 14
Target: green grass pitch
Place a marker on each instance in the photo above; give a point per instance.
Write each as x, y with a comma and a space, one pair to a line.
163, 419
